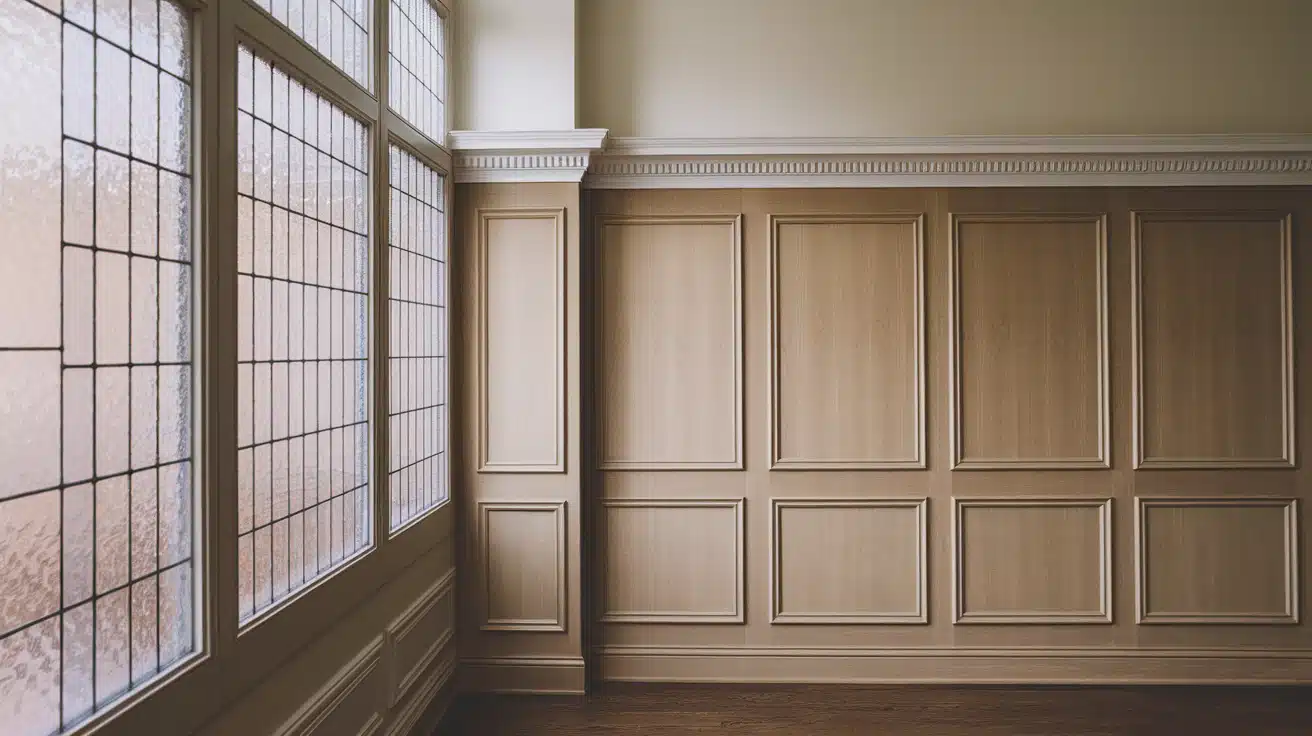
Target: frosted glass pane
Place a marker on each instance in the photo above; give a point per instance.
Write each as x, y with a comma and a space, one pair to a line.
416, 61
302, 355
417, 411
338, 31
97, 239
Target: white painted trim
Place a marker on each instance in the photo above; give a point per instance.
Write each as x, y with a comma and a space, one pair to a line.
1047, 161
524, 156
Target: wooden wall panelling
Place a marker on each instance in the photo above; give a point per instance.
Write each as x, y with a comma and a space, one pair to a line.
1213, 339
521, 339
673, 561
849, 561
669, 339
522, 546
1028, 341
416, 637
847, 354
350, 703
1032, 560
1216, 560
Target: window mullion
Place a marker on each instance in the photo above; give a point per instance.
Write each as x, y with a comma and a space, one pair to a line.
382, 319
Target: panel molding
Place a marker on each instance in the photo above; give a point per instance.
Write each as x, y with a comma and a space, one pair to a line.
1102, 460
558, 622
1292, 579
1105, 581
340, 686
955, 665
443, 674
952, 161
1137, 219
918, 616
918, 461
484, 217
735, 221
736, 616
400, 627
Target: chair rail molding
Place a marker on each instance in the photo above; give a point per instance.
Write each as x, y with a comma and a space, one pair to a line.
524, 156
955, 161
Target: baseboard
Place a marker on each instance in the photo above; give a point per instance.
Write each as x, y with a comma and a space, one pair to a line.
535, 675
1056, 666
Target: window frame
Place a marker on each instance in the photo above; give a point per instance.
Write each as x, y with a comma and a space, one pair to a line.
231, 659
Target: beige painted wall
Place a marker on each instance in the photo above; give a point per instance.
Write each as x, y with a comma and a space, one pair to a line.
726, 68
515, 68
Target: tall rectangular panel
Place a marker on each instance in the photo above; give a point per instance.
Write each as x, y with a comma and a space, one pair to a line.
847, 363
1213, 340
673, 561
1032, 561
669, 333
1217, 560
522, 545
521, 340
1029, 341
849, 561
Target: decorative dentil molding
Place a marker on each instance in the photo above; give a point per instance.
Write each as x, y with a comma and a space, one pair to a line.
524, 156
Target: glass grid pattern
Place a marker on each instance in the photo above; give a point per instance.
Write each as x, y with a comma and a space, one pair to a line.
417, 363
416, 57
337, 29
96, 496
303, 279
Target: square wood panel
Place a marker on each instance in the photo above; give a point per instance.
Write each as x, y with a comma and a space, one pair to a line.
1213, 340
1217, 560
523, 550
848, 561
847, 341
1032, 561
669, 337
1029, 341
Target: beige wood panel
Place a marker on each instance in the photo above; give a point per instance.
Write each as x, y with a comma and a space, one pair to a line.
1213, 300
847, 341
669, 336
848, 561
1032, 560
523, 550
673, 561
1029, 341
521, 339
416, 637
1217, 560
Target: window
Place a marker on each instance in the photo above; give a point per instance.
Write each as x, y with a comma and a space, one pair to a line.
303, 274
337, 30
417, 345
97, 509
417, 63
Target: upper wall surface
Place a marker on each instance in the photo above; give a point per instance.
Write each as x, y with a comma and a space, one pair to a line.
514, 65
743, 68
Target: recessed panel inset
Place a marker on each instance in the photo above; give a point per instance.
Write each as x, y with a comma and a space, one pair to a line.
847, 358
523, 550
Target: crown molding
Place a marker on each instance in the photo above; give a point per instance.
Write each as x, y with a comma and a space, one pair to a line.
524, 155
955, 161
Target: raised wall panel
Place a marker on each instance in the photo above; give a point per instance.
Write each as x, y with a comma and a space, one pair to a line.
1217, 560
1032, 561
521, 317
669, 333
418, 635
523, 550
848, 561
1029, 341
1213, 340
847, 342
673, 561
349, 704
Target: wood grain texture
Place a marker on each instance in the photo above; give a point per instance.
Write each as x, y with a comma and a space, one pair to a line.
842, 710
849, 561
847, 341
521, 340
522, 544
673, 561
1213, 340
1217, 561
669, 336
1032, 560
1029, 341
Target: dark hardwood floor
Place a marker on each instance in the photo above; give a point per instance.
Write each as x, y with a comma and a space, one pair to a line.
827, 710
